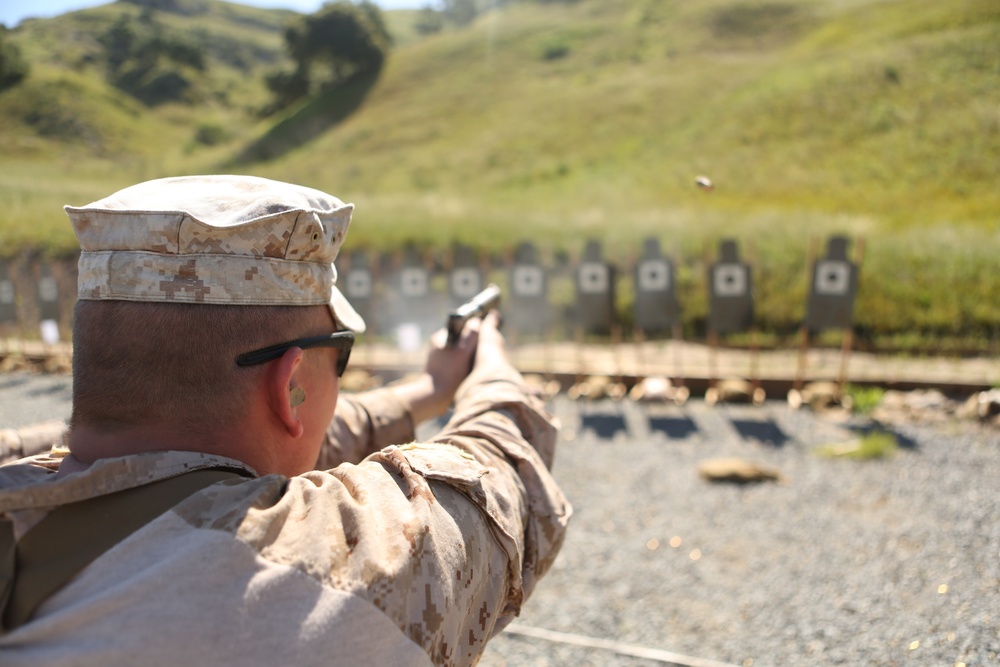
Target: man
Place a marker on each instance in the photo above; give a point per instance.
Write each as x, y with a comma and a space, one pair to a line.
208, 339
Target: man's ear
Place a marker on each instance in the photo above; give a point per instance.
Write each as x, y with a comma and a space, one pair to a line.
282, 383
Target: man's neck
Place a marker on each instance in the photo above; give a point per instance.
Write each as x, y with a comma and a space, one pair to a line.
88, 444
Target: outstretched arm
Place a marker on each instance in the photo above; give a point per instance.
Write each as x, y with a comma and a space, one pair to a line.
367, 422
446, 537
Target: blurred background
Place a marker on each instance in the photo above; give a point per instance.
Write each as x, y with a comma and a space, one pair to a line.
488, 124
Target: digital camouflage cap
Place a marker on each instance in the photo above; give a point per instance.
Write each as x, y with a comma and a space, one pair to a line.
231, 240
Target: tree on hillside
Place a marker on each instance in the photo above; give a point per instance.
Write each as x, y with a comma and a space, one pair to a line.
340, 42
348, 38
13, 67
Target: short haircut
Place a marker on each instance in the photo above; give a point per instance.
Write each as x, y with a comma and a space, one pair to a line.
145, 363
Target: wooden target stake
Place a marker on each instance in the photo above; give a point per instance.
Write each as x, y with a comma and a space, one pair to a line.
618, 388
713, 340
640, 353
678, 339
847, 339
757, 392
6, 344
846, 343
581, 361
713, 346
800, 371
548, 363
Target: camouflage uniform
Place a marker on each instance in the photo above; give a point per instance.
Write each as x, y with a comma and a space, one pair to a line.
417, 555
387, 554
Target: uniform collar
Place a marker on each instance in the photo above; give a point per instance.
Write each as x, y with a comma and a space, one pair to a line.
33, 482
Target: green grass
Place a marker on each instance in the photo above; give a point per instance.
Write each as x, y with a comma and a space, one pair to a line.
875, 445
864, 400
559, 122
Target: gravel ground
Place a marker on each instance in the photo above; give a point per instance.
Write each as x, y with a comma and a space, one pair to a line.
28, 398
886, 562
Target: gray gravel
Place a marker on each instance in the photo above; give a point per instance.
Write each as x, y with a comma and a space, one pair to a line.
891, 562
28, 398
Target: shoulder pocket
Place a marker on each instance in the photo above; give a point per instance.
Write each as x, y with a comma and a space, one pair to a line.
443, 462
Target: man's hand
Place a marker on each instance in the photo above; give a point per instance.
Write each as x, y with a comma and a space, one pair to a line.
447, 366
431, 393
479, 349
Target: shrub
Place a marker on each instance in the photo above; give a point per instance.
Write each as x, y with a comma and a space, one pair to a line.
211, 134
13, 67
555, 50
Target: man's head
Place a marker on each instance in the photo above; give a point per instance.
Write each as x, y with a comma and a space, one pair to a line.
180, 276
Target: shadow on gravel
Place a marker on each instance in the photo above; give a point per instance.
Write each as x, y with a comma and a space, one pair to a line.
51, 391
604, 426
765, 432
11, 382
904, 442
675, 428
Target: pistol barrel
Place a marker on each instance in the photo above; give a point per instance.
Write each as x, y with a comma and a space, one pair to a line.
478, 306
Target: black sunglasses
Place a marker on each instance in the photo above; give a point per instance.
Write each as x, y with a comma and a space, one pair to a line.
342, 340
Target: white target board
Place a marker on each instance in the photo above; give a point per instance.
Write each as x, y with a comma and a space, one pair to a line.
528, 281
833, 278
653, 275
833, 290
359, 284
465, 282
730, 280
413, 283
8, 307
594, 278
48, 290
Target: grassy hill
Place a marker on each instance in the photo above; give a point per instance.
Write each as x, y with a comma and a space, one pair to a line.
562, 121
616, 106
70, 134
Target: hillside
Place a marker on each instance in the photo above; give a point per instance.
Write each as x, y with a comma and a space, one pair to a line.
561, 121
77, 96
607, 111
75, 128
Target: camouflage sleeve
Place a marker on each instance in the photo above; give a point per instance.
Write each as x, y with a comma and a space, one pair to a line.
505, 426
363, 424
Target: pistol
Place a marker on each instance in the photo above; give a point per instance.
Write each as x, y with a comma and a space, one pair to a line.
477, 306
